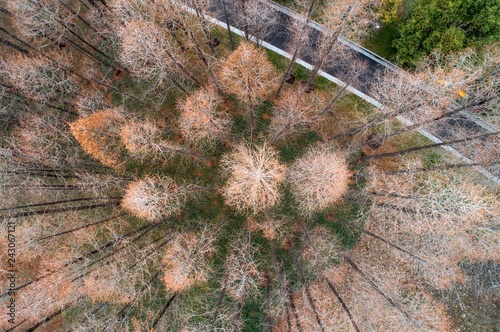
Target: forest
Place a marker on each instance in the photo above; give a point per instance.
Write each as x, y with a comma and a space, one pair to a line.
163, 170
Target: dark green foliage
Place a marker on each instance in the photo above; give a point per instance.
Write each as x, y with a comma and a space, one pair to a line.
448, 26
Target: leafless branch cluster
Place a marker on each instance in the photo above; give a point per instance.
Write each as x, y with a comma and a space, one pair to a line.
319, 179
292, 111
248, 74
442, 217
39, 78
255, 176
200, 119
143, 140
154, 198
185, 261
145, 50
256, 17
244, 277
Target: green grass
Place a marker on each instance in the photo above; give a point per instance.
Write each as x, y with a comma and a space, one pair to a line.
300, 73
380, 42
430, 157
296, 146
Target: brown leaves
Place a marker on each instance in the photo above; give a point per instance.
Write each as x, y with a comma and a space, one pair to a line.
200, 120
98, 135
248, 74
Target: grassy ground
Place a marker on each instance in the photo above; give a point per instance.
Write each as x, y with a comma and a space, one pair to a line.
211, 207
380, 41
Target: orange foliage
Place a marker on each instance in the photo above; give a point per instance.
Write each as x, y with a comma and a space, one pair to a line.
199, 118
99, 136
248, 74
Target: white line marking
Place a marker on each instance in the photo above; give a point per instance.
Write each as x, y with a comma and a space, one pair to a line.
358, 93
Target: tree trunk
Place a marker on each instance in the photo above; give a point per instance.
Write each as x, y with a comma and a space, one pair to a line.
342, 303
219, 304
302, 279
376, 288
181, 67
84, 21
364, 231
226, 18
442, 167
288, 70
331, 103
49, 203
428, 146
199, 52
60, 210
442, 116
319, 64
162, 312
49, 318
81, 227
13, 46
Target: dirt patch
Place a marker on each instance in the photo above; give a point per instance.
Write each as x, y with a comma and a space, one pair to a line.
118, 74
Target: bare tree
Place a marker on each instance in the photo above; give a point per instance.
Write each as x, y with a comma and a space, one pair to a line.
148, 54
249, 75
387, 287
347, 18
38, 300
47, 140
91, 101
257, 18
244, 277
143, 140
156, 198
429, 96
112, 283
126, 11
319, 179
300, 32
55, 22
255, 175
201, 121
471, 76
38, 18
292, 112
351, 71
321, 248
196, 26
186, 260
441, 216
39, 78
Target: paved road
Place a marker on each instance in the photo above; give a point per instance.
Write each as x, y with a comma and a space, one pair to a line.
279, 39
279, 36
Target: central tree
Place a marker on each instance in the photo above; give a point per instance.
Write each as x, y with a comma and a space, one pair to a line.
255, 175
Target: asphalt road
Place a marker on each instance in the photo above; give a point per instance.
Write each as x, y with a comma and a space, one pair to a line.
278, 34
